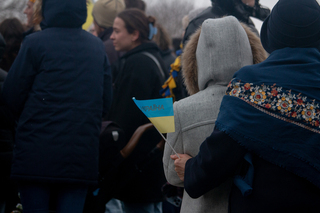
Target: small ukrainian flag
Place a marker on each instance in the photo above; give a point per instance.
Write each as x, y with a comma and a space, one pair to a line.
159, 112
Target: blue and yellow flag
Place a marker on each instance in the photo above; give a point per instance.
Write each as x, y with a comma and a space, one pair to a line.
159, 112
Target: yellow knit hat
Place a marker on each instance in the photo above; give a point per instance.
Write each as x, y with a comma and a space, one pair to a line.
105, 11
33, 1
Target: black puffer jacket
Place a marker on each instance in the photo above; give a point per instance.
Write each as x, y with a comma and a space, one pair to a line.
222, 8
6, 147
137, 75
58, 87
6, 141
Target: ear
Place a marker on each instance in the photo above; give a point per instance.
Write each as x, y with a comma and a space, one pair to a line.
135, 35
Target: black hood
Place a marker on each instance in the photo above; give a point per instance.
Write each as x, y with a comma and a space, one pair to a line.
226, 5
63, 13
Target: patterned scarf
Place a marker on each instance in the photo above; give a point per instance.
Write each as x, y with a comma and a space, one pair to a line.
273, 109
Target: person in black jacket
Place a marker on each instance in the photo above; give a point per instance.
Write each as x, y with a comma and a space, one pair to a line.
241, 9
58, 89
267, 134
8, 193
139, 73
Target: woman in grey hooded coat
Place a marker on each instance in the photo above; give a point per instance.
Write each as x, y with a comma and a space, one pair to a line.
213, 54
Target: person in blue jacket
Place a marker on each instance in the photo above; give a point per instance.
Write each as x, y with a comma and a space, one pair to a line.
58, 88
267, 134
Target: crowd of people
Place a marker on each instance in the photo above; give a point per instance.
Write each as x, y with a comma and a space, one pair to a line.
247, 115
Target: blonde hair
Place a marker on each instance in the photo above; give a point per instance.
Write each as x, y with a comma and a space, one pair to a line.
37, 12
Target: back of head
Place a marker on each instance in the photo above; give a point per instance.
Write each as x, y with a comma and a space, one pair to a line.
227, 5
215, 53
292, 23
12, 31
105, 11
223, 49
11, 28
162, 38
136, 19
63, 14
139, 4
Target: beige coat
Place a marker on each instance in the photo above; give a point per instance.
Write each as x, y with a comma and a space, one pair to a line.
211, 57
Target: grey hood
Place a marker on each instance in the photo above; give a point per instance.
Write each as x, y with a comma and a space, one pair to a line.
216, 51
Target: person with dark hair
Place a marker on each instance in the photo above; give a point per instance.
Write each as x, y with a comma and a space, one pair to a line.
12, 32
58, 89
267, 133
104, 12
139, 4
139, 73
241, 9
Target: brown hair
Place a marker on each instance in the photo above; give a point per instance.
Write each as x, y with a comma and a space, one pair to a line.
139, 4
136, 19
12, 32
162, 38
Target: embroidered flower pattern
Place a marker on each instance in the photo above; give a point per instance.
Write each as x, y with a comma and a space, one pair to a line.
296, 107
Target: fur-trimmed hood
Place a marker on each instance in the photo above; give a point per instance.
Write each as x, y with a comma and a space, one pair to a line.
220, 53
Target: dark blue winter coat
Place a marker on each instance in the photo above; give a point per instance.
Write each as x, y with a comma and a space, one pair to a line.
59, 87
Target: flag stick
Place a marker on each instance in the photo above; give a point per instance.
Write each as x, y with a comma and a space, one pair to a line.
167, 142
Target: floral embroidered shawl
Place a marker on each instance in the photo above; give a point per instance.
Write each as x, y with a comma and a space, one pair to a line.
273, 109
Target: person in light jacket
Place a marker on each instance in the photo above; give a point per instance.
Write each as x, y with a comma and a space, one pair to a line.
213, 54
267, 133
